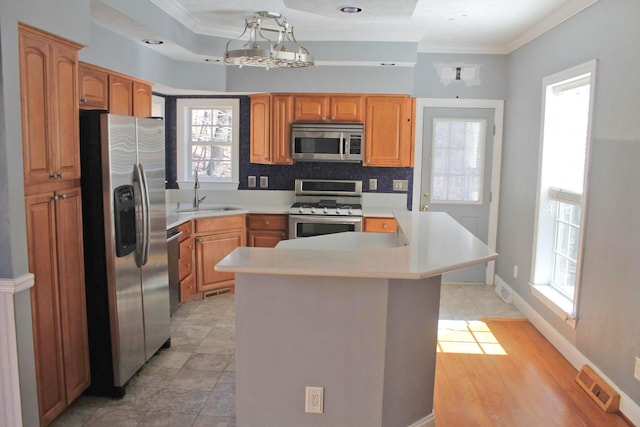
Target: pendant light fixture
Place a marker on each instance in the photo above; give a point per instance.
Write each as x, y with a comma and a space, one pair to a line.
281, 50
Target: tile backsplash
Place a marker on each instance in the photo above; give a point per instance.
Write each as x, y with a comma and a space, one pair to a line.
281, 177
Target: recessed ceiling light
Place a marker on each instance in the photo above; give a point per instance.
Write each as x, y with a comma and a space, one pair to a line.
350, 9
152, 41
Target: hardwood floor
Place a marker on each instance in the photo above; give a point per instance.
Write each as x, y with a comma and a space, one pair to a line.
503, 372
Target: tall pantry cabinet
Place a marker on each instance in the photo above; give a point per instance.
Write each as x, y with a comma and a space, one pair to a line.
51, 157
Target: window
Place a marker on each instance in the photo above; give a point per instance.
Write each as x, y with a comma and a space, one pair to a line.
208, 141
458, 163
562, 188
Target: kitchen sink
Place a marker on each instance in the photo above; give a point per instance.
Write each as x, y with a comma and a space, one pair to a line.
208, 209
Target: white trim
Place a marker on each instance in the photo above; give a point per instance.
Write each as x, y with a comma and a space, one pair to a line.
181, 134
428, 421
559, 304
498, 106
10, 403
18, 284
628, 407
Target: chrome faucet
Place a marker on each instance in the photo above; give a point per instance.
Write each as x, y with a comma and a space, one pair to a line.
196, 186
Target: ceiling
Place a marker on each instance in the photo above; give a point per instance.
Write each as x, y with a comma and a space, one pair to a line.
453, 26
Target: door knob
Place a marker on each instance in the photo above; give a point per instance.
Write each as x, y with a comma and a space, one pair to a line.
424, 208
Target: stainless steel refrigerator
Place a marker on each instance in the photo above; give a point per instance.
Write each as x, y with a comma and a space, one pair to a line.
124, 227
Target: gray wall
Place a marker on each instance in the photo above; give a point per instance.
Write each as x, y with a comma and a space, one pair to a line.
608, 331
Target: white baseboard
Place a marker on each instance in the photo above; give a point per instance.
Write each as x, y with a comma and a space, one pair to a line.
628, 407
428, 421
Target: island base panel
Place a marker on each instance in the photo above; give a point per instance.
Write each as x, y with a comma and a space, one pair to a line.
371, 343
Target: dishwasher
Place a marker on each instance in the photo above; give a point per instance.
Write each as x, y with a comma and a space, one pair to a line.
173, 255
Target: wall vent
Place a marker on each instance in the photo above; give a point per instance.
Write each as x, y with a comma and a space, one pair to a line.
503, 293
601, 392
216, 292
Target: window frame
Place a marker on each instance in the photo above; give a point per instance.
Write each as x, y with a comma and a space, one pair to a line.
185, 177
543, 257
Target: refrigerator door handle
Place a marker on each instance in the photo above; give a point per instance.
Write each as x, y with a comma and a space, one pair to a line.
147, 220
141, 214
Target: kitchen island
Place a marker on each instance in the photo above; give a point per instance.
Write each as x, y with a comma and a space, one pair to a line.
354, 313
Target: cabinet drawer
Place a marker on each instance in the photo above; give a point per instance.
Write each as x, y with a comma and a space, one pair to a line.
186, 261
187, 230
186, 248
188, 289
219, 224
267, 222
380, 225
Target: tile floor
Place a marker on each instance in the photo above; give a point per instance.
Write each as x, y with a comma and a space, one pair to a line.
193, 382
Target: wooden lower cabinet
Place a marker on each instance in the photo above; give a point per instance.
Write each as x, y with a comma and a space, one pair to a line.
379, 224
266, 231
54, 233
216, 237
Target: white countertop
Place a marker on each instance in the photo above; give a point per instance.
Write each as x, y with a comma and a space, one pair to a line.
426, 244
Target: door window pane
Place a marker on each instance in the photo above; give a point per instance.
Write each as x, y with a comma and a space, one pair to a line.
458, 160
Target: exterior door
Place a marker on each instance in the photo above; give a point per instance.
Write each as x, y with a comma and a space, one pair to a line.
458, 164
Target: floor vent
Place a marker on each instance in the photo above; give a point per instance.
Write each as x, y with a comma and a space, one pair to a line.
601, 392
216, 292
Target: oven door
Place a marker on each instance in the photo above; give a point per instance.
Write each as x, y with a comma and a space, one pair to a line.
317, 225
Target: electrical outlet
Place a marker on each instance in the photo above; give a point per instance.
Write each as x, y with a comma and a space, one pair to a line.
314, 400
400, 185
264, 182
373, 184
636, 371
515, 271
251, 181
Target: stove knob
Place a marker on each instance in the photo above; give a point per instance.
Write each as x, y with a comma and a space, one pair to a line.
326, 209
350, 211
300, 209
313, 210
337, 211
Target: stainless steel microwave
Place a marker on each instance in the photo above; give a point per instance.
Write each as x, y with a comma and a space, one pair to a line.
321, 142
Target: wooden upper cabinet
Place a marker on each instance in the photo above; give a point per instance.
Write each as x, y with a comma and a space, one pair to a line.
389, 131
48, 89
101, 89
280, 136
311, 108
120, 95
260, 133
141, 99
93, 87
347, 108
329, 108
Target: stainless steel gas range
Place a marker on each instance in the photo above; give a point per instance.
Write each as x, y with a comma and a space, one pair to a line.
325, 207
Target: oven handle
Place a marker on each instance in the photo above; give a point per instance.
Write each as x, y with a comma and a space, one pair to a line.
325, 218
342, 142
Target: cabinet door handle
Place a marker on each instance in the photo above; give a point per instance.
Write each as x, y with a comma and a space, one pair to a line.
55, 198
189, 247
83, 100
63, 196
188, 265
266, 223
384, 225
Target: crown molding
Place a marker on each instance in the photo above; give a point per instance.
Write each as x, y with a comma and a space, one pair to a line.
555, 18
